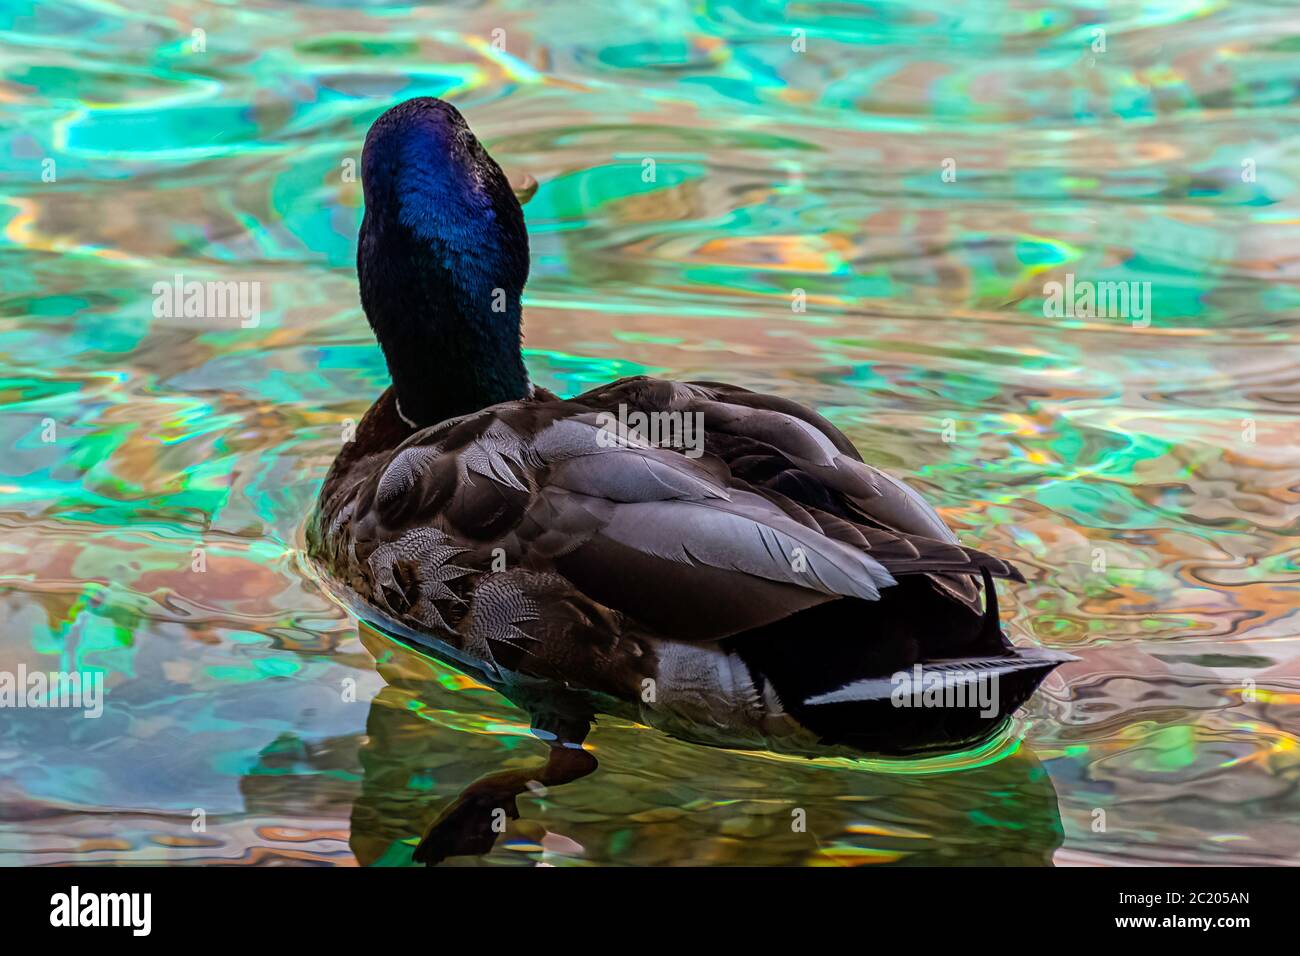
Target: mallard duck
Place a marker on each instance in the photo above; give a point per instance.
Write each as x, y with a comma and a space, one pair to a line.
746, 580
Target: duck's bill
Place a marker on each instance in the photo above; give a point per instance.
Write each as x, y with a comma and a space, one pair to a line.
524, 188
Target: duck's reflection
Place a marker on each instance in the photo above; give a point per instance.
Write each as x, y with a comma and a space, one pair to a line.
1002, 811
400, 757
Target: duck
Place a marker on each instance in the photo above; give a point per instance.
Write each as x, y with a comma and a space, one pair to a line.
711, 561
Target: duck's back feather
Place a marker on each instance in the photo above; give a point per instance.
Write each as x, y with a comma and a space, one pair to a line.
778, 515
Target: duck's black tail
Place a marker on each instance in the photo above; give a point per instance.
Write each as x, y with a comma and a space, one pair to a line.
916, 682
935, 705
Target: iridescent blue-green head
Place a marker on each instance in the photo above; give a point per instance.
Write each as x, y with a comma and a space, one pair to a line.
442, 261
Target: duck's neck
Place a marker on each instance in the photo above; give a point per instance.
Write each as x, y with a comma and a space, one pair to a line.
447, 373
448, 322
442, 272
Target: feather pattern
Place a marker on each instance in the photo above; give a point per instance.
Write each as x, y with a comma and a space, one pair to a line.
775, 516
499, 616
427, 553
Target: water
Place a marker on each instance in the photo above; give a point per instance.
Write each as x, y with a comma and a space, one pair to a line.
1142, 475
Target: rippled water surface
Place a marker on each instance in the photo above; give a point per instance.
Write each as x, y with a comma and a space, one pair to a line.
1145, 477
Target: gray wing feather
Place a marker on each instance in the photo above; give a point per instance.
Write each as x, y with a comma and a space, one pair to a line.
632, 476
752, 538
